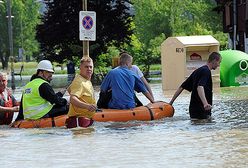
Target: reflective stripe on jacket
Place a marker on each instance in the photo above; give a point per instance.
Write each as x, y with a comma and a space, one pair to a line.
34, 106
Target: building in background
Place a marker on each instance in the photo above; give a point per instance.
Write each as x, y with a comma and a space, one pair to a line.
235, 22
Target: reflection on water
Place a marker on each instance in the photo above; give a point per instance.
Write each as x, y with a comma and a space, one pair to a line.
78, 132
170, 142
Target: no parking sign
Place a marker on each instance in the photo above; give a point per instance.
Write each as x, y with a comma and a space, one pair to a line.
87, 25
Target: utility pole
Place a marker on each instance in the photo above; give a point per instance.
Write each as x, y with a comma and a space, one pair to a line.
85, 42
11, 56
234, 24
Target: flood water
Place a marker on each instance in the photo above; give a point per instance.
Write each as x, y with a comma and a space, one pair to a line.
170, 142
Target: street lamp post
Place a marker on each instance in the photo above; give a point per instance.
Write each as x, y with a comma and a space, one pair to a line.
11, 43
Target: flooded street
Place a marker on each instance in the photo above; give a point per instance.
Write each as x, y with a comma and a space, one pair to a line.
170, 142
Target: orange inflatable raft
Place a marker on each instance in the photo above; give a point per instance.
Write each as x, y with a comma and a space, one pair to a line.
41, 123
152, 111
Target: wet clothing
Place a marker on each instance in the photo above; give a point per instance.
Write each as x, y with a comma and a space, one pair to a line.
123, 82
200, 77
83, 90
46, 92
7, 100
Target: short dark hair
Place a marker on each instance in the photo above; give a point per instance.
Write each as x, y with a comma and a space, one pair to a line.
124, 58
214, 56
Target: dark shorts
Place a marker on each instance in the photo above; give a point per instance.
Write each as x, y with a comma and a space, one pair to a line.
6, 118
199, 113
73, 122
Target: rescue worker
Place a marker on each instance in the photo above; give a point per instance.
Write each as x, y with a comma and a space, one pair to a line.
8, 103
39, 99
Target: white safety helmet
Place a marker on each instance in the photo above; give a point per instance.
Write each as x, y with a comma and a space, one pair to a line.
45, 65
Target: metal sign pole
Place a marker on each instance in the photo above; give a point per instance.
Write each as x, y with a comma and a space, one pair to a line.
85, 42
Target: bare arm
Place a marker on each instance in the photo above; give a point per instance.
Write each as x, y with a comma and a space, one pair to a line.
9, 109
149, 96
147, 85
76, 102
202, 96
177, 93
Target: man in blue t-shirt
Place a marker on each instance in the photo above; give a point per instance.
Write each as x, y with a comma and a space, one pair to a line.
199, 83
123, 82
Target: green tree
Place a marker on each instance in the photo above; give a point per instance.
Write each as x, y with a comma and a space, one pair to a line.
59, 32
194, 17
26, 17
151, 19
155, 20
152, 26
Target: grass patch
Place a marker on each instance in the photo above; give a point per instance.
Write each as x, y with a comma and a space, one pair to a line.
27, 65
30, 68
156, 67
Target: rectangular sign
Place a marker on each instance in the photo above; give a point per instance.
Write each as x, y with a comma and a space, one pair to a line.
87, 25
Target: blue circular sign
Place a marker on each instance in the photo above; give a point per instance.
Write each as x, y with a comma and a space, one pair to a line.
87, 22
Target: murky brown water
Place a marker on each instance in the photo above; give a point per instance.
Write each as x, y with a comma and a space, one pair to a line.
171, 142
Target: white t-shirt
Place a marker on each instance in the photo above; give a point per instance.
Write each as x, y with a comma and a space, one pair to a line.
137, 71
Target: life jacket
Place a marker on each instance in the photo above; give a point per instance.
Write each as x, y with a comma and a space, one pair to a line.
6, 117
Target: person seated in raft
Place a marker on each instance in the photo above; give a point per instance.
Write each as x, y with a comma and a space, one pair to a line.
139, 73
82, 101
8, 103
39, 99
123, 82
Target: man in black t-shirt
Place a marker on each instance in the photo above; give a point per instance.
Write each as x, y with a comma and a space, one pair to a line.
199, 83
